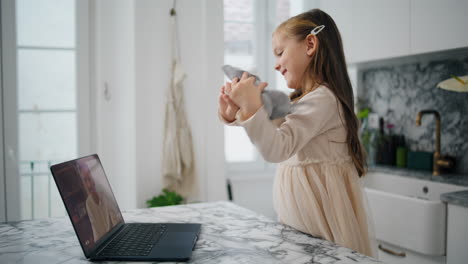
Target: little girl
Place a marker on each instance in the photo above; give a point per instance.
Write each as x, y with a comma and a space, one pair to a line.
317, 189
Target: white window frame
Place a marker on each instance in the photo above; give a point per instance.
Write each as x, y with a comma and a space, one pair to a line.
261, 9
10, 118
2, 167
10, 204
265, 64
86, 99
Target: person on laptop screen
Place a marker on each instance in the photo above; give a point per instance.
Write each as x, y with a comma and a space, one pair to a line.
101, 211
100, 227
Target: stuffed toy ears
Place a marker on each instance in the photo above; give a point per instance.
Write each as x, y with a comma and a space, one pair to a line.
276, 103
233, 72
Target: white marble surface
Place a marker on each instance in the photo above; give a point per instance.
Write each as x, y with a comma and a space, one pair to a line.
230, 234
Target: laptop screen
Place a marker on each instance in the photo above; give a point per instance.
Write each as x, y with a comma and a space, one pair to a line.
88, 197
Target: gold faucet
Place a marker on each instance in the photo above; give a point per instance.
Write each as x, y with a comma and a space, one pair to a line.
438, 161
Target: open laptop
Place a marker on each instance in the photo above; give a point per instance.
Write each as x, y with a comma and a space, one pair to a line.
99, 225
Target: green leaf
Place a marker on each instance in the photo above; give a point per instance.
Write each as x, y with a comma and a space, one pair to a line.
363, 113
166, 198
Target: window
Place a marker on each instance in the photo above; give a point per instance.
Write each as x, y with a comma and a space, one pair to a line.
239, 33
248, 25
47, 110
43, 92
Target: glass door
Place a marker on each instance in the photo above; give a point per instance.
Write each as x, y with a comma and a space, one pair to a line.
41, 102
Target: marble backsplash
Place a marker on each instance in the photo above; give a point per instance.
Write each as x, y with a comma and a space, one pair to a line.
397, 92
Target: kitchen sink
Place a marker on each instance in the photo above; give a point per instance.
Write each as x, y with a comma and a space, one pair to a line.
407, 212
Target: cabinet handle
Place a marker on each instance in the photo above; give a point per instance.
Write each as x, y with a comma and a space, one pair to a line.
391, 252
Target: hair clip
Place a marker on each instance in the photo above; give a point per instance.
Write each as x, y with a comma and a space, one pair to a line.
317, 30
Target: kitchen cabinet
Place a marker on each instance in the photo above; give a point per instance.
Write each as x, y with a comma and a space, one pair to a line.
457, 234
254, 192
371, 29
378, 29
409, 217
438, 25
340, 11
410, 257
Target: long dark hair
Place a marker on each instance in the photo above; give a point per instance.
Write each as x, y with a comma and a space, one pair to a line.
328, 67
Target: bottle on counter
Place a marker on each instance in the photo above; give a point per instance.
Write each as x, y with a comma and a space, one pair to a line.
373, 133
401, 152
390, 146
380, 143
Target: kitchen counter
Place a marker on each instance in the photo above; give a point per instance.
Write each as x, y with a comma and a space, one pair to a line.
456, 179
456, 198
229, 234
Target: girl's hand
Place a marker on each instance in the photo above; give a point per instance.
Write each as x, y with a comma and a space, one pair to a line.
246, 95
227, 108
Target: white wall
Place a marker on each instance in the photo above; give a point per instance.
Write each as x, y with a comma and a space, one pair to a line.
133, 55
115, 117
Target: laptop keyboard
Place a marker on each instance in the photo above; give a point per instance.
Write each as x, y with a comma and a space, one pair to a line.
134, 240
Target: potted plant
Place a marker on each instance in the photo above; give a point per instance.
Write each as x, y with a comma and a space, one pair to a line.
165, 199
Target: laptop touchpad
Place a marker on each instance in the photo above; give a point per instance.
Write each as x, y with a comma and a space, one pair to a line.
177, 238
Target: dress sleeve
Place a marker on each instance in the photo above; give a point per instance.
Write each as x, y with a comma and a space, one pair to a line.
233, 123
312, 115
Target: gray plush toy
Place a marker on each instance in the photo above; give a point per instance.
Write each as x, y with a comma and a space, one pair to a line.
276, 103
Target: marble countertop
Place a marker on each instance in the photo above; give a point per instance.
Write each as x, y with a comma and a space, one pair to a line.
457, 198
230, 234
456, 179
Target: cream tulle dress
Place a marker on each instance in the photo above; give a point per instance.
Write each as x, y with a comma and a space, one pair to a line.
317, 189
